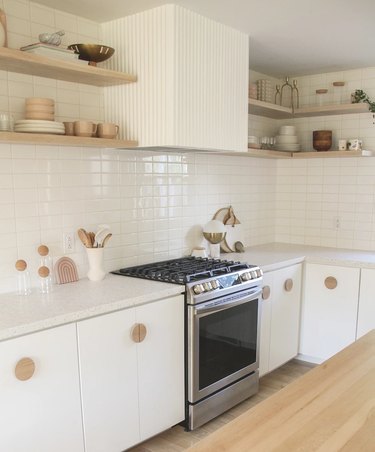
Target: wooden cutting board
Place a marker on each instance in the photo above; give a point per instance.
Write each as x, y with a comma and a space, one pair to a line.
3, 21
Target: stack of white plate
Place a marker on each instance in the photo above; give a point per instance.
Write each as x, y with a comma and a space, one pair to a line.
39, 126
287, 140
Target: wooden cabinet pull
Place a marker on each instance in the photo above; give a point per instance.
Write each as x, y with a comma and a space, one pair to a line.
139, 332
330, 282
288, 285
24, 369
266, 292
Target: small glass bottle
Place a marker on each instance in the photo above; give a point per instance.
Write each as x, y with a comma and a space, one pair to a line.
338, 93
23, 278
45, 280
321, 97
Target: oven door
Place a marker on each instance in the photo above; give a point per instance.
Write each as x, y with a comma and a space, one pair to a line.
223, 342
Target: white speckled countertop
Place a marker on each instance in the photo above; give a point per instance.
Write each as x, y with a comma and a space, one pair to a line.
84, 299
276, 255
76, 301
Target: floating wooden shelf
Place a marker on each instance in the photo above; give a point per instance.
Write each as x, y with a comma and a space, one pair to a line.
260, 108
63, 140
265, 153
25, 63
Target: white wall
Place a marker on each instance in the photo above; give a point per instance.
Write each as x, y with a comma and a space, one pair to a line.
26, 20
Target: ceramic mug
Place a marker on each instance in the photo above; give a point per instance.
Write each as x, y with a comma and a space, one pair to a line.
107, 130
69, 128
84, 128
342, 145
354, 144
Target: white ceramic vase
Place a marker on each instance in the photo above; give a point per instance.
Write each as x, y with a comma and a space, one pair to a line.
95, 257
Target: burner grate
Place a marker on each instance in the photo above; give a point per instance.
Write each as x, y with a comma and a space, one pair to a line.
182, 271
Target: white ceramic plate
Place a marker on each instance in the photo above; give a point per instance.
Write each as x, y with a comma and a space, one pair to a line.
38, 122
287, 139
40, 130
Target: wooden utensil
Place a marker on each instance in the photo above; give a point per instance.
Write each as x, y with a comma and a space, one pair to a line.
3, 21
92, 238
84, 237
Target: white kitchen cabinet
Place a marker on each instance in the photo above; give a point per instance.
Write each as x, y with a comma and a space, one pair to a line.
366, 306
329, 313
192, 86
265, 324
130, 390
40, 408
280, 323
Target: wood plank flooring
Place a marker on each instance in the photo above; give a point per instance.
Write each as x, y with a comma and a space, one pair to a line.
176, 439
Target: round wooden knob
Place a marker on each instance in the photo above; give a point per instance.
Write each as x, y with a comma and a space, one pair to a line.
21, 265
43, 250
330, 282
43, 272
139, 332
288, 285
24, 369
266, 292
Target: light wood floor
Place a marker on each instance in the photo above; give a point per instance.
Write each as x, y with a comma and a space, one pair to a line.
176, 439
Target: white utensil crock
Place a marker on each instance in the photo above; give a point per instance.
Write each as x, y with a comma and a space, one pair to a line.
95, 257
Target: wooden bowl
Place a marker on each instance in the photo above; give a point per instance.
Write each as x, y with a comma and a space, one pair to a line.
322, 140
94, 53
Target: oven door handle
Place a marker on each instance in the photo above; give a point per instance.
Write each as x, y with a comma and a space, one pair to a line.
249, 296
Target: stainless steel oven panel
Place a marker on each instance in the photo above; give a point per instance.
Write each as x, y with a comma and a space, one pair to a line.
193, 298
194, 314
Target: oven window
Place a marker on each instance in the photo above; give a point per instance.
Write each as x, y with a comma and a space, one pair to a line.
227, 342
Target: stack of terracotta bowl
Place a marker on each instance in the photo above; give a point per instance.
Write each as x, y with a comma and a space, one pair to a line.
40, 108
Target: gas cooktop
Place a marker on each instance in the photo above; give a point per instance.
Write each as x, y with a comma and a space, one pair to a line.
183, 270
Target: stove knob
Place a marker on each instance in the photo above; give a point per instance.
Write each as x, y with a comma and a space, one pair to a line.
259, 272
214, 284
246, 276
198, 289
207, 286
254, 274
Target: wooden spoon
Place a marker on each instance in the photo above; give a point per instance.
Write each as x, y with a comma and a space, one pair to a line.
92, 238
106, 238
84, 237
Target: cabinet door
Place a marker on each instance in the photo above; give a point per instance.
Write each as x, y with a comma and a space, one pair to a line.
40, 411
161, 365
285, 320
108, 366
366, 306
265, 324
329, 310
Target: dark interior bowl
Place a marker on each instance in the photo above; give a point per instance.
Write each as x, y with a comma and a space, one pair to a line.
95, 53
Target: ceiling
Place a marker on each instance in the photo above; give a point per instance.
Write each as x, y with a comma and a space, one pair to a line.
294, 37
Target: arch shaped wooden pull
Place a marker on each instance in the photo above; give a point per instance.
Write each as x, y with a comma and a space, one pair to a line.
288, 285
24, 369
266, 292
330, 282
139, 332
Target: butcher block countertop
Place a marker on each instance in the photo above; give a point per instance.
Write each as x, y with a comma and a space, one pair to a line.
331, 408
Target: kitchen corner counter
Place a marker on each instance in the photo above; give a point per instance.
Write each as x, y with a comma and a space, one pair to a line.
68, 303
273, 256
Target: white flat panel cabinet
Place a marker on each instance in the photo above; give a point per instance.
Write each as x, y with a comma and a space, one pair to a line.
40, 407
132, 374
366, 306
161, 366
285, 319
279, 335
108, 366
329, 315
265, 324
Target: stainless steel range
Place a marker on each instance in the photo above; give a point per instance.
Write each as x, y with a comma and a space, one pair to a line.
222, 330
